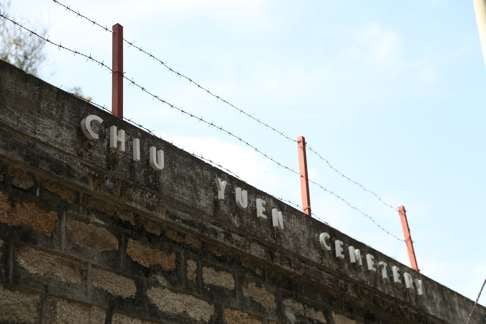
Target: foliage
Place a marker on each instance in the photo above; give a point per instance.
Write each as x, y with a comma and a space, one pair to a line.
17, 46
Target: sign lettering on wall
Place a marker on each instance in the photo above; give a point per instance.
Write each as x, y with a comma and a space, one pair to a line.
337, 248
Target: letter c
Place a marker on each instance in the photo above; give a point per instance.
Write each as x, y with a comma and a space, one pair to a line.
324, 241
86, 124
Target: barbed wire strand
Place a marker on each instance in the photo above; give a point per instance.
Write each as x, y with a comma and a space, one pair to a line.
208, 123
181, 75
281, 133
357, 209
356, 183
476, 302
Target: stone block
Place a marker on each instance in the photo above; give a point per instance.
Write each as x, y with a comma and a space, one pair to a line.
315, 314
92, 236
22, 179
171, 302
27, 214
257, 250
152, 227
193, 242
60, 311
294, 309
19, 307
191, 270
109, 209
64, 193
222, 279
147, 256
5, 207
233, 316
49, 265
260, 295
341, 319
184, 239
122, 319
113, 283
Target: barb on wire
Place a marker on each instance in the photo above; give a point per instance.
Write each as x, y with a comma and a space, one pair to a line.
476, 302
206, 122
281, 133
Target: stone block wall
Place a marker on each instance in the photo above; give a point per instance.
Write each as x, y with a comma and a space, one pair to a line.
88, 235
65, 262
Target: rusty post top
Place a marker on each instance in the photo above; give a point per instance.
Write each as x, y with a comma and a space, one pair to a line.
401, 210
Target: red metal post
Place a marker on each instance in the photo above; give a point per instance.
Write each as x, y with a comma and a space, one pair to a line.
304, 177
117, 72
408, 237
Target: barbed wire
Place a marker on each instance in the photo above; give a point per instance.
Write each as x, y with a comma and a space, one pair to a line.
181, 75
80, 15
357, 209
356, 183
204, 121
268, 157
281, 133
299, 207
58, 45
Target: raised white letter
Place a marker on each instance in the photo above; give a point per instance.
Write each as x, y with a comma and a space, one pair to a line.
260, 205
117, 137
384, 272
420, 287
277, 218
221, 185
370, 261
323, 240
241, 197
355, 255
88, 131
338, 245
396, 275
156, 159
408, 280
136, 149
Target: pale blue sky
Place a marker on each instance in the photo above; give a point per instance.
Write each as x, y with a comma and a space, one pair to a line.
392, 92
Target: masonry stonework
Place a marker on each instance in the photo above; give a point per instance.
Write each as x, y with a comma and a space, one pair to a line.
90, 235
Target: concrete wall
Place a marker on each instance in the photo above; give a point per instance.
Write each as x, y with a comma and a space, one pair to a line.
88, 235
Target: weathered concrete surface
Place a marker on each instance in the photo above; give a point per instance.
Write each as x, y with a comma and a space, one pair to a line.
86, 230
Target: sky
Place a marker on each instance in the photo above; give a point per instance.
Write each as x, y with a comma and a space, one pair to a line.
391, 92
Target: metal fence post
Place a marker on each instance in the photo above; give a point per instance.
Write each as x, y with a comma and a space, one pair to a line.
117, 72
304, 177
408, 238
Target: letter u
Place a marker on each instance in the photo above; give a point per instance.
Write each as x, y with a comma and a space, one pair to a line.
241, 197
156, 159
